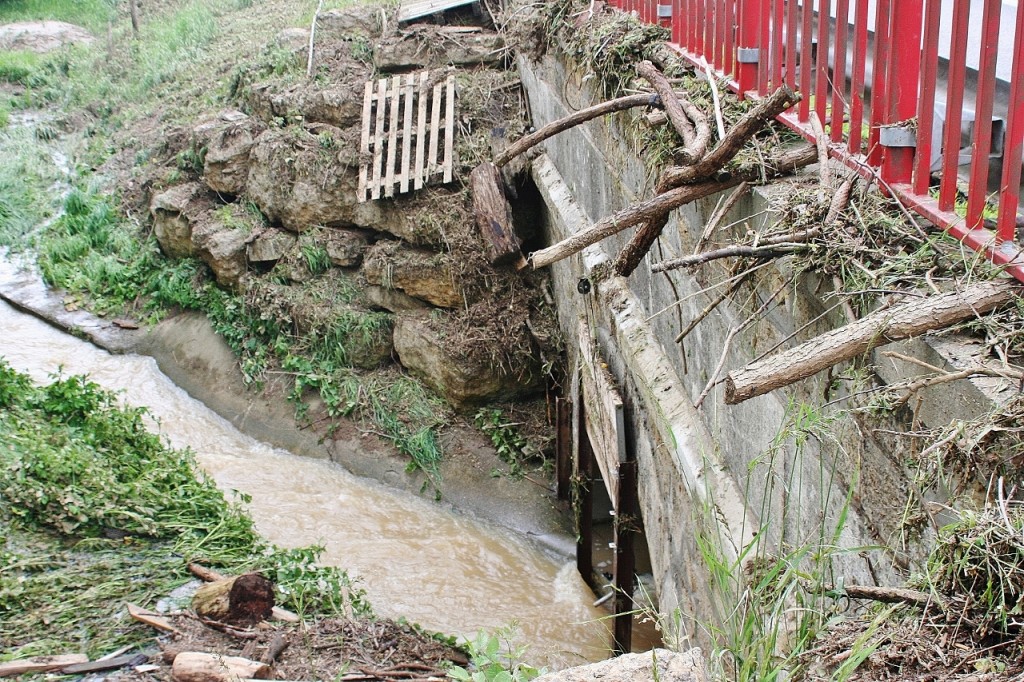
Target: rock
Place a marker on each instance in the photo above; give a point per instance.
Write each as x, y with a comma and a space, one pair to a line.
350, 23
345, 247
336, 106
222, 248
306, 176
672, 667
270, 245
425, 47
226, 165
419, 273
392, 299
464, 383
293, 39
42, 36
172, 211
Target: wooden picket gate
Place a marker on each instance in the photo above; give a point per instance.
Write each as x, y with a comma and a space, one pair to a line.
408, 134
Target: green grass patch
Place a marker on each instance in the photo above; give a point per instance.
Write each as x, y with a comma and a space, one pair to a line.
91, 14
95, 510
21, 67
26, 175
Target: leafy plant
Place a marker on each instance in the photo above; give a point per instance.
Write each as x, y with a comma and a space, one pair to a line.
510, 445
495, 658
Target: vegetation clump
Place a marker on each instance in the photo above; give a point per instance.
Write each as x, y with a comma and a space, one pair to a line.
96, 511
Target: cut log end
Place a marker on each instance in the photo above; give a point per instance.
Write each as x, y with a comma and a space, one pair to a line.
247, 598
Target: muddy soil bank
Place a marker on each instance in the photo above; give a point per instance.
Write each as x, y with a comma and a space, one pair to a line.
189, 352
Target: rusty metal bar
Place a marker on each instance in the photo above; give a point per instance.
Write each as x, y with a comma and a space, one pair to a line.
926, 108
584, 502
563, 448
1009, 187
982, 138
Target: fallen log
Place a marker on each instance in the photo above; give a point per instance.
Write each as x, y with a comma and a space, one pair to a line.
581, 116
649, 210
210, 575
692, 126
730, 145
125, 661
888, 595
195, 666
883, 326
247, 598
493, 215
633, 253
40, 664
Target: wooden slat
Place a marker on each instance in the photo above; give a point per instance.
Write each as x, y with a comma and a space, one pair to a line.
364, 143
449, 128
403, 176
394, 98
605, 418
435, 130
382, 90
421, 124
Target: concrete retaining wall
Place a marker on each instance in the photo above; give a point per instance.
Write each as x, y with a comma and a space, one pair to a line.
718, 468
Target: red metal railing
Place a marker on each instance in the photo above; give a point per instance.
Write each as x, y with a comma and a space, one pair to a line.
874, 73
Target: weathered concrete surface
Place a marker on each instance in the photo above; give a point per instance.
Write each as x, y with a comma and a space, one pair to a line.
719, 471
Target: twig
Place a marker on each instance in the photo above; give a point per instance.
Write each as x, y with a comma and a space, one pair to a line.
888, 595
839, 201
695, 133
312, 37
719, 119
766, 248
709, 307
822, 144
719, 215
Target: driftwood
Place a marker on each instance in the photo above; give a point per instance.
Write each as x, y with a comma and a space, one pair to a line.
247, 598
127, 660
691, 125
40, 664
493, 215
210, 575
730, 145
633, 253
880, 327
150, 618
651, 209
195, 666
628, 217
764, 248
889, 595
276, 647
581, 116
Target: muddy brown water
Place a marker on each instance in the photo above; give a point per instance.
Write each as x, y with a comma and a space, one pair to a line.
448, 572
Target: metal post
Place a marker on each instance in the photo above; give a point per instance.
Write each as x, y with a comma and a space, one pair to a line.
747, 47
904, 75
563, 448
627, 522
584, 502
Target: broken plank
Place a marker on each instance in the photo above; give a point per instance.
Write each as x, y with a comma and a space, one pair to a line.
40, 664
150, 618
105, 664
421, 123
403, 176
493, 214
449, 129
393, 101
364, 142
378, 138
435, 130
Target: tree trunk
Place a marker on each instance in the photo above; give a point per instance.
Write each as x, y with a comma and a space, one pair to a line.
493, 215
902, 321
581, 116
633, 253
247, 598
695, 133
193, 666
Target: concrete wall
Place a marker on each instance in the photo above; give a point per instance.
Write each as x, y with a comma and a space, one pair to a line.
714, 468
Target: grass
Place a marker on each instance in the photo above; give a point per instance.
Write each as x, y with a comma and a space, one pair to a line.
92, 14
95, 511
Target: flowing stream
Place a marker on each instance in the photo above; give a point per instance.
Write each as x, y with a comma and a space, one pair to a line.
445, 571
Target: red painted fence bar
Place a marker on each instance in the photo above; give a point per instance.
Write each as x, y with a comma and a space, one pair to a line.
887, 79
